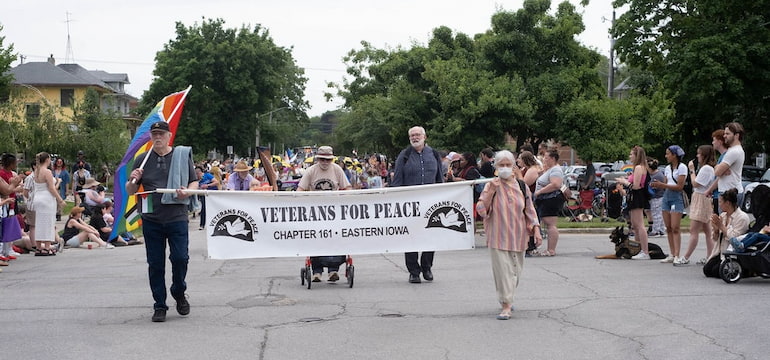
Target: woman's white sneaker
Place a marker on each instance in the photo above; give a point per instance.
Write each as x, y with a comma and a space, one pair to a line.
641, 256
669, 259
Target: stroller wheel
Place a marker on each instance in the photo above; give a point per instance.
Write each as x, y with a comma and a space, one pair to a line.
730, 270
308, 275
350, 272
302, 274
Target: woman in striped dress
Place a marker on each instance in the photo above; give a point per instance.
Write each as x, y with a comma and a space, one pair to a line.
501, 205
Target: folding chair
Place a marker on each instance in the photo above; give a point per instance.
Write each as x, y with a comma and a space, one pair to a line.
582, 208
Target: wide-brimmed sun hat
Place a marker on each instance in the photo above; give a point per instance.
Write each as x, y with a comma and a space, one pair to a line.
90, 182
242, 166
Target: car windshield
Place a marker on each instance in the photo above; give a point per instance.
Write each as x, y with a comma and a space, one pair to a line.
752, 174
766, 176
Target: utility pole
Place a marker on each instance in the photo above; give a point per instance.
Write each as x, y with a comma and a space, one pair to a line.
270, 121
611, 72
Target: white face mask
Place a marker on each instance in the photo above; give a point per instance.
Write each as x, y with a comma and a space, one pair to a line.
504, 172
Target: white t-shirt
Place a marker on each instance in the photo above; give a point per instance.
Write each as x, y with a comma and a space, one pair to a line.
705, 178
316, 178
734, 157
672, 177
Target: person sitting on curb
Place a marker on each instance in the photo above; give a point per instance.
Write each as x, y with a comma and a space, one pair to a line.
126, 236
94, 195
25, 244
99, 223
77, 232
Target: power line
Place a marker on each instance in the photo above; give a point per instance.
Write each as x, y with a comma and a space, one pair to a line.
122, 62
97, 61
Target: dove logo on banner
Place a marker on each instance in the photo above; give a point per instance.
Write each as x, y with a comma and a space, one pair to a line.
449, 215
234, 223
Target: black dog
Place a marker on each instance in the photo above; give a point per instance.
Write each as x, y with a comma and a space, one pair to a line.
625, 248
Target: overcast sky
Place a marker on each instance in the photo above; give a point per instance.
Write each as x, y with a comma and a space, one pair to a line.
123, 36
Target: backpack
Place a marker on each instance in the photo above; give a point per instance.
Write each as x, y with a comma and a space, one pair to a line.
479, 187
409, 150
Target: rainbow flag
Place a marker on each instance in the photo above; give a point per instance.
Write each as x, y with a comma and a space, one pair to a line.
126, 212
627, 168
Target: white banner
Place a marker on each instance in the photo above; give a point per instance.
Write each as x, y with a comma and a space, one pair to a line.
283, 223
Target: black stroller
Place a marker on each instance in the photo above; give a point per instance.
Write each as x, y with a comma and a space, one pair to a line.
755, 261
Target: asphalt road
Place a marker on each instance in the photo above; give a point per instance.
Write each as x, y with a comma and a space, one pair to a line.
96, 304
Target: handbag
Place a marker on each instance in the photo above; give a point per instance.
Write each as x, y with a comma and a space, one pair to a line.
29, 217
686, 200
11, 229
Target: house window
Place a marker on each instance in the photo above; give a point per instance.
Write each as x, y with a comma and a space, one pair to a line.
32, 112
67, 97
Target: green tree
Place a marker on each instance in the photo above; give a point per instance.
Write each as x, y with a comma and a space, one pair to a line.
236, 74
7, 129
541, 49
712, 56
6, 58
605, 129
102, 135
470, 92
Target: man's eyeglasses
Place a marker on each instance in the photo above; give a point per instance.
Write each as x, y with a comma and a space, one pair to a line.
324, 160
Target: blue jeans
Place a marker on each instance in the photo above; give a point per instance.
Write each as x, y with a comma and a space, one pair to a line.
673, 201
752, 238
155, 237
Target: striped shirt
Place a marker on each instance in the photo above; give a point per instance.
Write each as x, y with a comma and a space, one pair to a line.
508, 225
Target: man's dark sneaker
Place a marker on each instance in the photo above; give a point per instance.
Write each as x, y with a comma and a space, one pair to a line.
159, 315
414, 278
182, 305
427, 275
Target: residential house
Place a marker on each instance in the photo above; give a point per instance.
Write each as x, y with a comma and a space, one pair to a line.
62, 86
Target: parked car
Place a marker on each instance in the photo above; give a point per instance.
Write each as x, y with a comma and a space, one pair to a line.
573, 174
764, 180
603, 168
750, 175
610, 178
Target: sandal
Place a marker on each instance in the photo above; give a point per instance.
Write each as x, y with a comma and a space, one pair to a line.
41, 252
545, 253
504, 315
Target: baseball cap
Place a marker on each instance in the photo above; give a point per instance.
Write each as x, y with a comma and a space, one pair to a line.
160, 125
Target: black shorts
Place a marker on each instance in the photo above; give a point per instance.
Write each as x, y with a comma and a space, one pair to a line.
638, 200
550, 207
